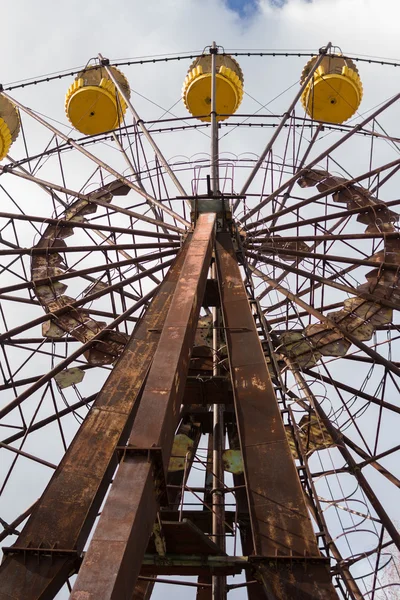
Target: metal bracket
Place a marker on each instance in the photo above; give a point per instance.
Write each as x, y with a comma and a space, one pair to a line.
40, 552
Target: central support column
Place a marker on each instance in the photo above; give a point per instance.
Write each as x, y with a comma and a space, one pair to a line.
280, 523
113, 560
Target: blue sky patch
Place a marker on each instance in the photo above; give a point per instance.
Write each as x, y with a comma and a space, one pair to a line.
244, 8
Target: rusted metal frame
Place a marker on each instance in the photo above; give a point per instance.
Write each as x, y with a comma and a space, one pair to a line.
42, 183
65, 249
108, 241
41, 461
11, 528
145, 131
286, 195
112, 562
277, 131
305, 291
33, 417
158, 215
322, 280
343, 569
58, 418
87, 225
353, 391
204, 490
87, 467
327, 257
85, 300
321, 157
381, 182
42, 423
89, 270
338, 440
298, 261
273, 486
64, 363
214, 166
17, 261
99, 162
206, 592
376, 457
37, 340
52, 193
176, 582
162, 187
39, 350
328, 217
175, 482
346, 439
290, 316
218, 435
352, 418
242, 511
138, 216
365, 359
138, 260
316, 509
353, 560
358, 450
382, 395
254, 244
336, 326
282, 387
321, 195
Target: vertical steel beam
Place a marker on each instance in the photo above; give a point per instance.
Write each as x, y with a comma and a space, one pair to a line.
218, 493
113, 560
254, 591
64, 515
214, 122
280, 522
205, 593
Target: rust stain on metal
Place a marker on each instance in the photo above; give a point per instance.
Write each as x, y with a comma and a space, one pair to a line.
83, 476
279, 518
112, 561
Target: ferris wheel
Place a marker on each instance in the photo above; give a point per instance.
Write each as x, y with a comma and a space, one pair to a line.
118, 207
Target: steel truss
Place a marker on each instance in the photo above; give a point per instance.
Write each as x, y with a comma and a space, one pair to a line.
258, 328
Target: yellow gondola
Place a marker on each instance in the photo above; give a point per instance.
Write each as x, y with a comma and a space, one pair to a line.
9, 125
196, 91
335, 91
92, 103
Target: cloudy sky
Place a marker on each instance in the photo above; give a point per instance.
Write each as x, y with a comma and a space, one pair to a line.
40, 37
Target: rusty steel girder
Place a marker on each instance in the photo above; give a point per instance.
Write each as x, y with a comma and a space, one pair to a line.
63, 517
113, 560
279, 518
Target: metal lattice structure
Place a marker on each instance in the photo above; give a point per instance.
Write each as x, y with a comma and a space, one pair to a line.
199, 370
